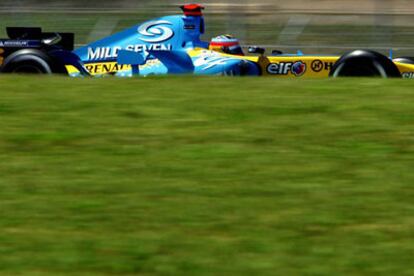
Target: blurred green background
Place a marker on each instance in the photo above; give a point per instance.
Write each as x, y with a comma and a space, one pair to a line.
314, 26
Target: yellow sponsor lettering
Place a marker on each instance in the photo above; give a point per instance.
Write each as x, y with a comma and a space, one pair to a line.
106, 68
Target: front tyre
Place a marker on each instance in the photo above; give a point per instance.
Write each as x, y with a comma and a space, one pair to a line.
364, 63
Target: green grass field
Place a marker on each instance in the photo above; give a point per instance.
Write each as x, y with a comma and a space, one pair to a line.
206, 176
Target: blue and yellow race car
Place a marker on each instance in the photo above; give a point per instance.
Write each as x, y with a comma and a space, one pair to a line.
173, 45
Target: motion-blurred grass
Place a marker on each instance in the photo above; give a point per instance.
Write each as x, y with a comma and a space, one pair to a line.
206, 176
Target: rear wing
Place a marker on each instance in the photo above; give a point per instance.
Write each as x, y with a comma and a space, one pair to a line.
67, 41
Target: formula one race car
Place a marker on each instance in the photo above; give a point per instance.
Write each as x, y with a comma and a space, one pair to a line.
172, 45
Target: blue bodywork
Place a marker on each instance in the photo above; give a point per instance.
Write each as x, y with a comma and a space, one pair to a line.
162, 46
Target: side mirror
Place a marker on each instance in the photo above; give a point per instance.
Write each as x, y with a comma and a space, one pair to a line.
257, 50
277, 53
52, 40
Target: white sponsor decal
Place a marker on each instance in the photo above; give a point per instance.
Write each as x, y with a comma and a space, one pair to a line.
210, 59
153, 31
15, 43
100, 53
408, 75
209, 62
279, 69
297, 68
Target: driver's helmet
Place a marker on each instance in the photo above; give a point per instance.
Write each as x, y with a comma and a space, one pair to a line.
226, 44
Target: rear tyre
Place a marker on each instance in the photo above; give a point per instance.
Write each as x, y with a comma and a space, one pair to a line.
28, 67
27, 62
364, 63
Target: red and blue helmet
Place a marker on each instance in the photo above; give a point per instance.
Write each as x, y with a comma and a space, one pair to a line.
226, 44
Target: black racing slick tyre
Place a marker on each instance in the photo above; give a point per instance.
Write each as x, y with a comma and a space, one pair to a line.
364, 63
28, 61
